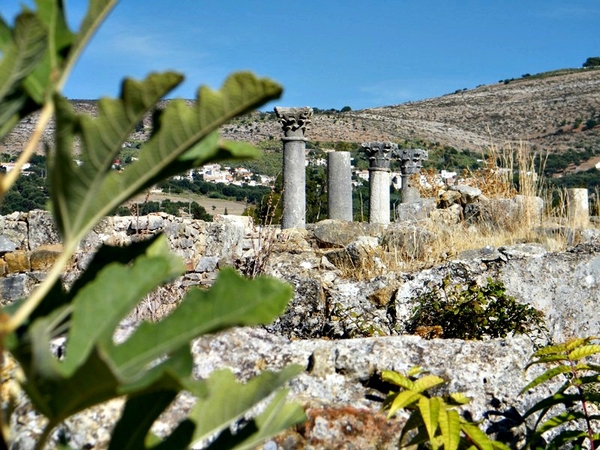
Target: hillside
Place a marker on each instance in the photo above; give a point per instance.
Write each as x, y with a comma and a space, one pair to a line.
553, 111
547, 110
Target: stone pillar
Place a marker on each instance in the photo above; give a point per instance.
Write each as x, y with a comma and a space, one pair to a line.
578, 209
339, 186
294, 122
411, 162
379, 180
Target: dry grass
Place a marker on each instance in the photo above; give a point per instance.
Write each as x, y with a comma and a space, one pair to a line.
510, 171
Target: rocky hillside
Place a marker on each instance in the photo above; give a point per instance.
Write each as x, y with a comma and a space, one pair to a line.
553, 111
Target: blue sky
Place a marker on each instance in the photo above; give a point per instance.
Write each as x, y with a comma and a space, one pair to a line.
334, 53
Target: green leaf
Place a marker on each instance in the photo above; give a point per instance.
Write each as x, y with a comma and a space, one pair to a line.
139, 414
42, 81
478, 437
449, 421
547, 359
105, 301
20, 57
427, 382
226, 400
415, 420
403, 399
179, 438
584, 351
548, 375
389, 376
548, 402
277, 417
458, 398
551, 350
414, 371
559, 420
565, 437
231, 301
430, 412
82, 195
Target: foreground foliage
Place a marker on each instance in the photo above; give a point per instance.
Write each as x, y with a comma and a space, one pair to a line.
154, 364
573, 407
567, 418
433, 421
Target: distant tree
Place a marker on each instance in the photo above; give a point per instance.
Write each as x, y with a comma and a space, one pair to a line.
592, 61
199, 212
345, 109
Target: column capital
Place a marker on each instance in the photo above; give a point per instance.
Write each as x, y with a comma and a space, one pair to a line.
379, 154
411, 159
294, 122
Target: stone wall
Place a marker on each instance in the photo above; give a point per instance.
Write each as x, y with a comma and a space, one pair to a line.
329, 312
29, 245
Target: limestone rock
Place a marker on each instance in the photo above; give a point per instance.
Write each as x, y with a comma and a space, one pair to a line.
6, 245
412, 212
341, 233
42, 229
17, 261
44, 257
469, 194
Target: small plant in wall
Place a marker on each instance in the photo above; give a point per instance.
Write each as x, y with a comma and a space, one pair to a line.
569, 417
154, 364
470, 311
433, 421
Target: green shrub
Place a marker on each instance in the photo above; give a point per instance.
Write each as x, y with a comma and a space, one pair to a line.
458, 311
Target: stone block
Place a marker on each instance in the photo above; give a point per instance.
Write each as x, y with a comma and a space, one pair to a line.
44, 257
6, 245
13, 287
414, 211
17, 261
42, 229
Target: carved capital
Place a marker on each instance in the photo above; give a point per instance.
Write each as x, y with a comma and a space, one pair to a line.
294, 121
379, 154
411, 160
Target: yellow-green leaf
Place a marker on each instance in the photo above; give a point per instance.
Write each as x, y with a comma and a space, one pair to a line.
449, 421
403, 400
427, 382
430, 410
396, 378
478, 437
584, 351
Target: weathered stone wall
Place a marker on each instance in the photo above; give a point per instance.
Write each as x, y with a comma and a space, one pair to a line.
339, 387
29, 245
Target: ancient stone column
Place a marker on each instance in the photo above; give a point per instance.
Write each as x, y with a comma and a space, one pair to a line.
578, 209
411, 162
339, 186
379, 180
294, 122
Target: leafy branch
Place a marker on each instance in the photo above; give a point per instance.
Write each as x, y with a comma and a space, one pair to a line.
567, 360
433, 420
154, 363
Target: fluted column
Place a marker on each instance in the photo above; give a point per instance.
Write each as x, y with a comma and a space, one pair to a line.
294, 122
339, 186
379, 180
